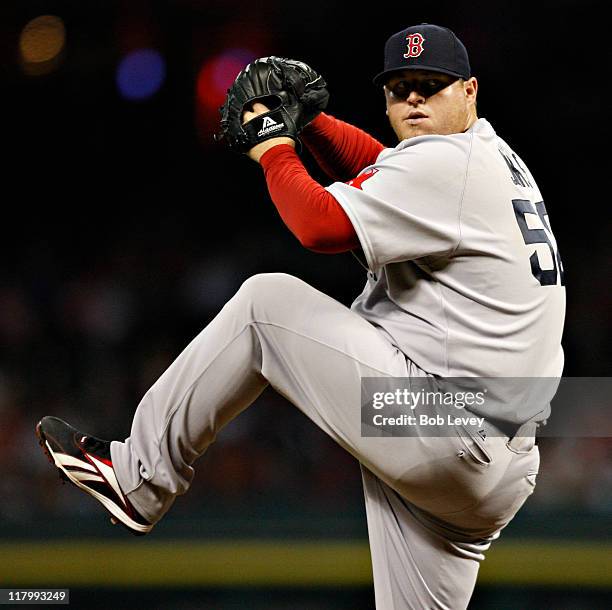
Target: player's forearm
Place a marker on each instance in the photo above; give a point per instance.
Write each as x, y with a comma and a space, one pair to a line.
342, 150
311, 213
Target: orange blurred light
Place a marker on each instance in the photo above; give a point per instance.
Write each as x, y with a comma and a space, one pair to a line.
41, 44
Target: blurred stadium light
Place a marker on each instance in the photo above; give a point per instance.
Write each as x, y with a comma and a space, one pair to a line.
218, 73
140, 74
215, 76
41, 44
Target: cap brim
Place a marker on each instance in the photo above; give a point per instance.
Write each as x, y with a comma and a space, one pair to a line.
381, 77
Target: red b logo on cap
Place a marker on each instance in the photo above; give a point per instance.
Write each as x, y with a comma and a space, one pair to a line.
415, 45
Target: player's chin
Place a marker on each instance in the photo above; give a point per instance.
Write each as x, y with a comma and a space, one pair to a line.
412, 131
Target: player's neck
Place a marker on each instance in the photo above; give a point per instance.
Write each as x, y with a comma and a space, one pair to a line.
471, 120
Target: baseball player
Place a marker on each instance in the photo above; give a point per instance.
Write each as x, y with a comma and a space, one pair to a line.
464, 279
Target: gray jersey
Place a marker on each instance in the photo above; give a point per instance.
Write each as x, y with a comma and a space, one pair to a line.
464, 272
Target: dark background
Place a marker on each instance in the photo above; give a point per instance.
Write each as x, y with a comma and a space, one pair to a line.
126, 228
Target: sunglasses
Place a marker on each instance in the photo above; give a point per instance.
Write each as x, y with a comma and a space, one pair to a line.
425, 88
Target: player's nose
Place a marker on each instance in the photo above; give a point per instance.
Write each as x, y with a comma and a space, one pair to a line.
415, 97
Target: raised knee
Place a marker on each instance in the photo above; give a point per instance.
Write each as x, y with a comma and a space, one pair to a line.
265, 293
269, 283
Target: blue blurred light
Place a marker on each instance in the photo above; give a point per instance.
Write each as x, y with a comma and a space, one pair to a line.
140, 74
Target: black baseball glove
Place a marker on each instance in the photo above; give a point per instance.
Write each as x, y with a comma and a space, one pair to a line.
293, 91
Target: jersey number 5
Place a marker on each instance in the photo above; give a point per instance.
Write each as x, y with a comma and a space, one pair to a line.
533, 222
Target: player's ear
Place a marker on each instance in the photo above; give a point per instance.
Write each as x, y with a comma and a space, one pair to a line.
471, 88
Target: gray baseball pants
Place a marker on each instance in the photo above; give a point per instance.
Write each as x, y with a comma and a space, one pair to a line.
433, 504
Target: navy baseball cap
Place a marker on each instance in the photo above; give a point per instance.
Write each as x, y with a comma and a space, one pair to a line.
425, 47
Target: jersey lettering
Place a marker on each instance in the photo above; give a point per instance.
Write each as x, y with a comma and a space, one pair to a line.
415, 45
359, 180
518, 173
533, 223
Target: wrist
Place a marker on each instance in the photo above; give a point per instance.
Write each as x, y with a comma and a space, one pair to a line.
257, 152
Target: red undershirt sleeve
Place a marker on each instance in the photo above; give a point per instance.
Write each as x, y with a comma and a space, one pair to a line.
341, 150
311, 213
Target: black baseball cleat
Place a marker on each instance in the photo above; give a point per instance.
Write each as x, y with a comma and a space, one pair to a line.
86, 461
